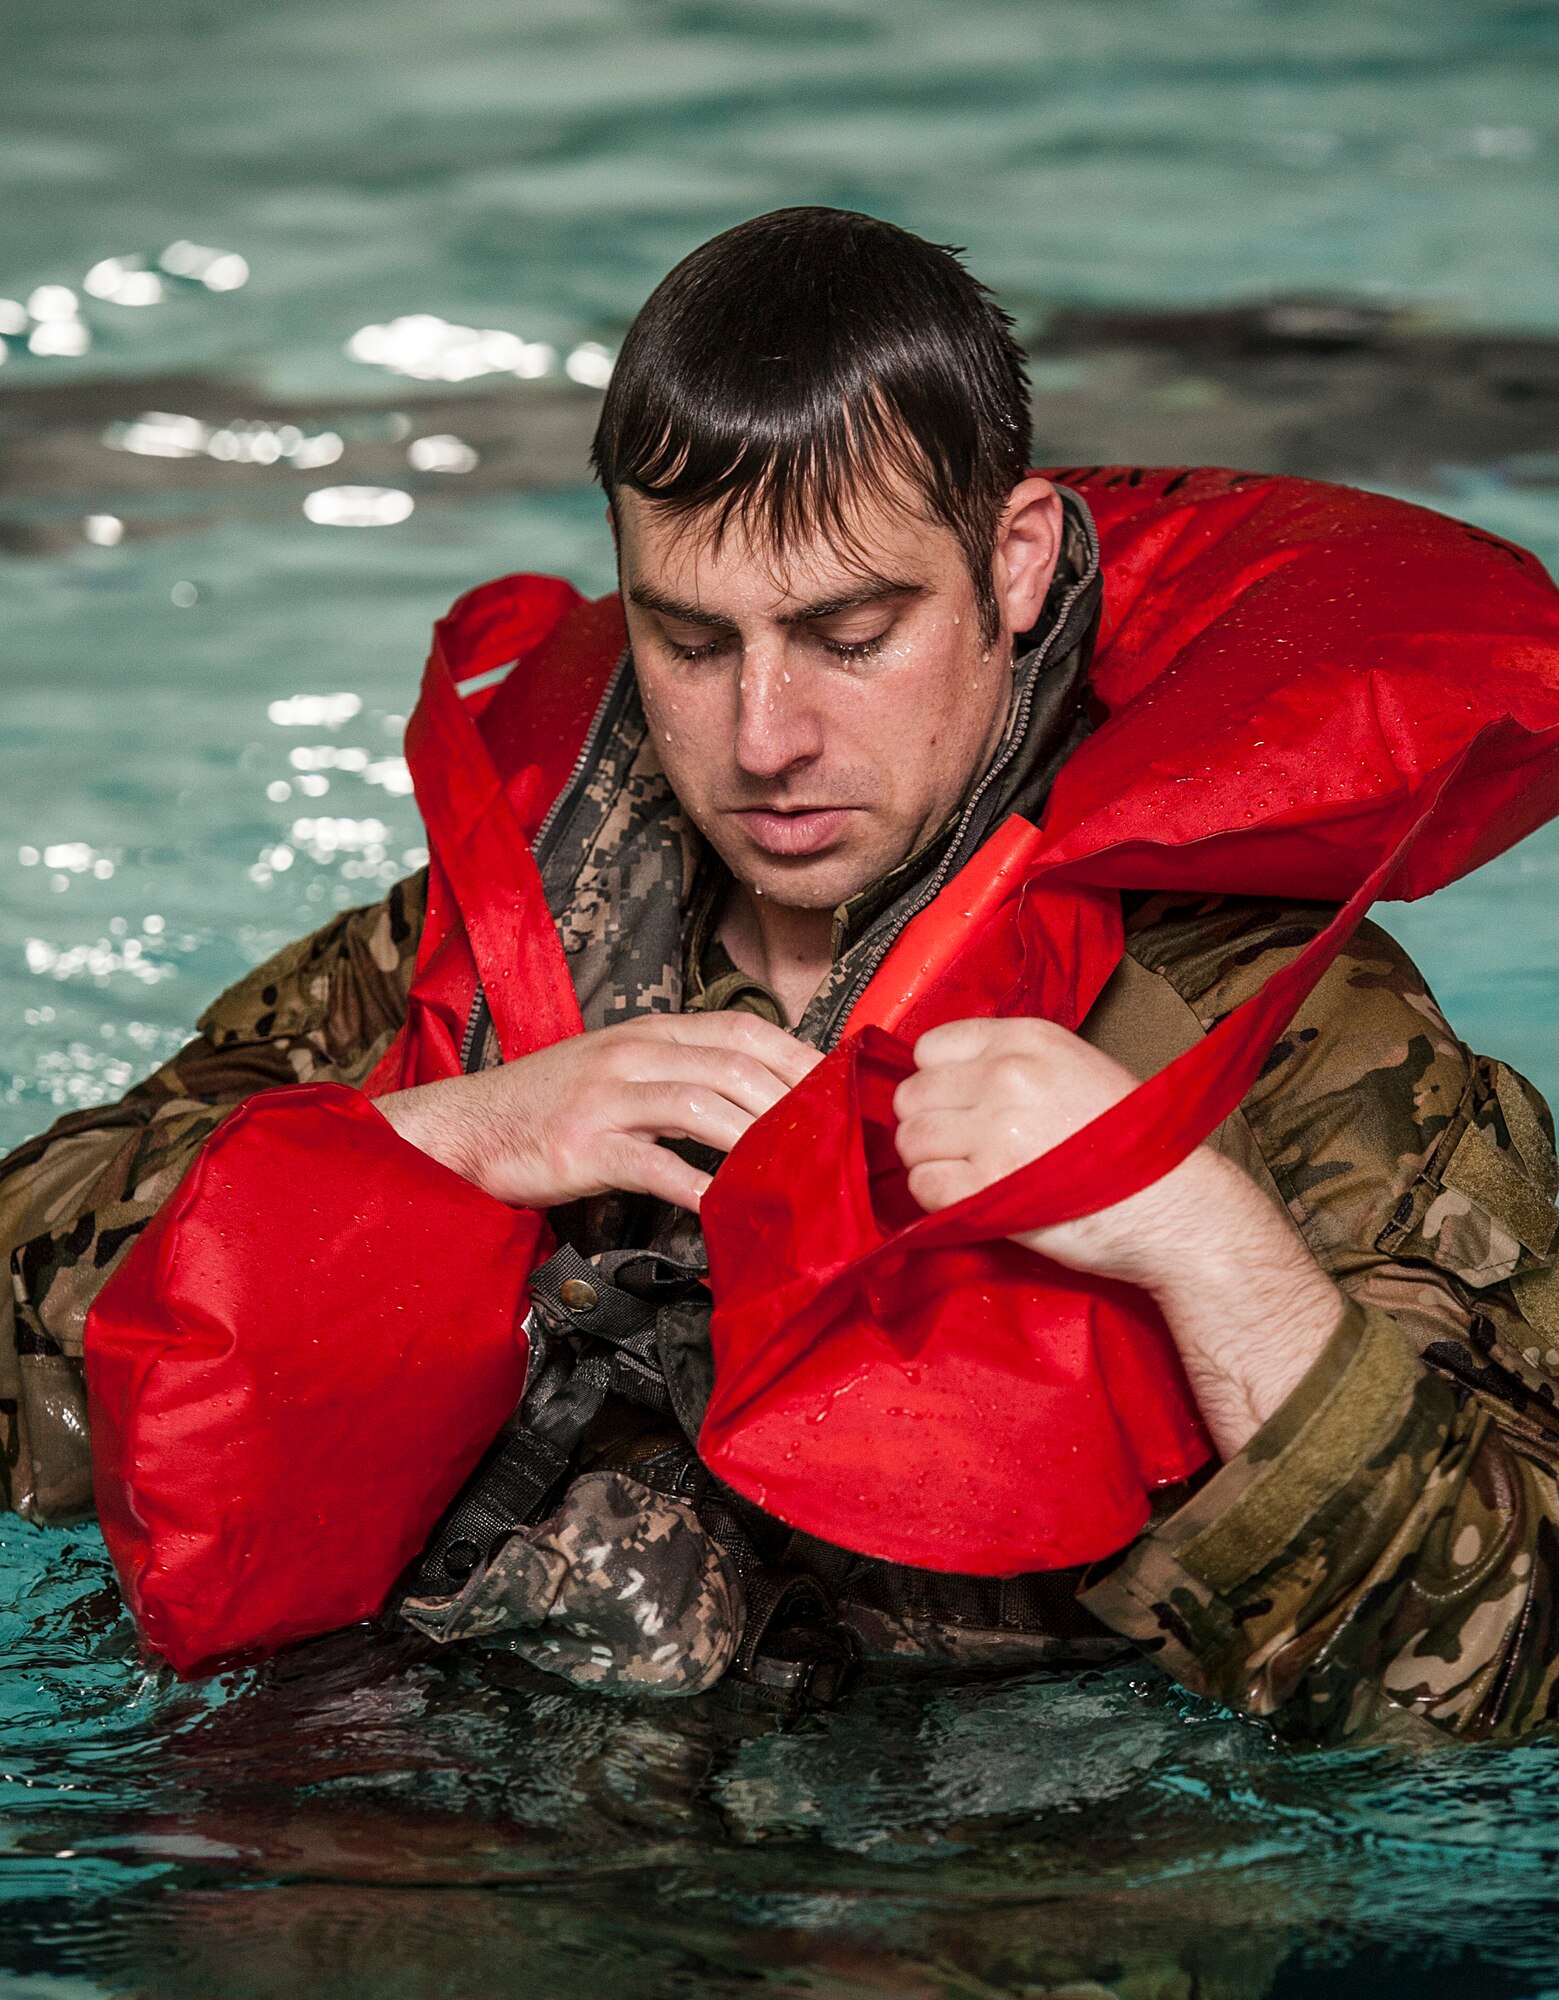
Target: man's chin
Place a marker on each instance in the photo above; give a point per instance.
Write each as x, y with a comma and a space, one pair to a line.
806, 882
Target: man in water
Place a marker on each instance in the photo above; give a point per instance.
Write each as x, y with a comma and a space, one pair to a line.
859, 638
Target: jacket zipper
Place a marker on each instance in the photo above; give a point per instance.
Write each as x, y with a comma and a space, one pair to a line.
583, 761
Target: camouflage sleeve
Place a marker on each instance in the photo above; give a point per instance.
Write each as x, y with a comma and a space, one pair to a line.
1382, 1555
74, 1199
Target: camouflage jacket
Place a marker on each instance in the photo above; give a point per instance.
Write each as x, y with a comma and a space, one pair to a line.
1380, 1556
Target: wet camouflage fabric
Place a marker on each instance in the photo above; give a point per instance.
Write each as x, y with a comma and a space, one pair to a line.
620, 875
620, 1589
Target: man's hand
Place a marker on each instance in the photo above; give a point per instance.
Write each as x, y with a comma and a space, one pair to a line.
584, 1116
1248, 1305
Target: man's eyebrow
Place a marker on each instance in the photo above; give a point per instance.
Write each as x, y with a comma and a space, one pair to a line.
648, 598
870, 590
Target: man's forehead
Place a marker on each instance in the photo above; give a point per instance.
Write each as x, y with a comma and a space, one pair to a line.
690, 562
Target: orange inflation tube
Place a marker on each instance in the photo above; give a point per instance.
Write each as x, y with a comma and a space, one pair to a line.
1311, 692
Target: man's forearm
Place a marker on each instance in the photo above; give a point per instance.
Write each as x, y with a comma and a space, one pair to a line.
1249, 1307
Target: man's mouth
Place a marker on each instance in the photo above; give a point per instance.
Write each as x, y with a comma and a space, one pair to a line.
794, 830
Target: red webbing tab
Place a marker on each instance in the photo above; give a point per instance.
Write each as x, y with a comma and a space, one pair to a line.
483, 791
475, 832
930, 942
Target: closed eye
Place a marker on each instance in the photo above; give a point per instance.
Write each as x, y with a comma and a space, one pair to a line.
852, 649
720, 642
706, 649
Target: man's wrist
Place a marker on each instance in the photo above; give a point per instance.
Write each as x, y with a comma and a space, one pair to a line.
425, 1118
1176, 1234
1198, 1235
1248, 1305
1217, 1233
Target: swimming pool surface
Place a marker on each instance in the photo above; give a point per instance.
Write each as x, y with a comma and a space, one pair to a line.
199, 758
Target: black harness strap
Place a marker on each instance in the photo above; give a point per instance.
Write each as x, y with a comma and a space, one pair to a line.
589, 1338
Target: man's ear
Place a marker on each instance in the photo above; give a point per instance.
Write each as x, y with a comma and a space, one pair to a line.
1028, 546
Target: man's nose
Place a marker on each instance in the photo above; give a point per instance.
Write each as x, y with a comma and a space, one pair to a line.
777, 725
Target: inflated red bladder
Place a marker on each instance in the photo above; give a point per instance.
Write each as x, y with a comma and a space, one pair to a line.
299, 1362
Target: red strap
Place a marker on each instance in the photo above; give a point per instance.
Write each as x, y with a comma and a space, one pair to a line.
486, 859
929, 943
492, 928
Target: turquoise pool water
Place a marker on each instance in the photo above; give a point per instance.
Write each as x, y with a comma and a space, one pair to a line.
350, 1822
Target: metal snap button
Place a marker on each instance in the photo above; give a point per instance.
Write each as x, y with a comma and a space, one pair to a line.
578, 1295
461, 1559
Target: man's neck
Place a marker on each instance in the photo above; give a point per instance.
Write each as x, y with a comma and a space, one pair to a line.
790, 950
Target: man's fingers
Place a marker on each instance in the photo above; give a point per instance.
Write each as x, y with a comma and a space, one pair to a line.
959, 1042
939, 1183
731, 1072
936, 1135
686, 1111
739, 1034
952, 1087
640, 1167
981, 1041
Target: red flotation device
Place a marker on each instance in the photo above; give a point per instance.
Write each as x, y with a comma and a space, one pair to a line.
1311, 691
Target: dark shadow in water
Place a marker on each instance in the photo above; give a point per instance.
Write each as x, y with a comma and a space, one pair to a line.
1329, 389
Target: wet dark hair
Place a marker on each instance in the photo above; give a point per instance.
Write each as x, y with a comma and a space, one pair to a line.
807, 357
